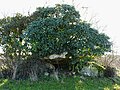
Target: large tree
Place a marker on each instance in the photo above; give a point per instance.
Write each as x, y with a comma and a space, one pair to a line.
59, 29
11, 40
51, 30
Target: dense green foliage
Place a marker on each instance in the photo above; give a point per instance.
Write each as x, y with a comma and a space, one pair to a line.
11, 33
60, 29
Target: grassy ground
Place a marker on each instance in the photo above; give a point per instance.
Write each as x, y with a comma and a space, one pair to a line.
69, 83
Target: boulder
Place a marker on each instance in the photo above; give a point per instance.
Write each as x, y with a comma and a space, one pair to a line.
89, 71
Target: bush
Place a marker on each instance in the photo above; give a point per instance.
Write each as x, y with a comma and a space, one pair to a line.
109, 72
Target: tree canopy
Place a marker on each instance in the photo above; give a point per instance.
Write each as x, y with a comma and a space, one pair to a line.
59, 29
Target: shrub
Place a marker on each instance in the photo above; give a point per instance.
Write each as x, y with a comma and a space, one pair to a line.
109, 72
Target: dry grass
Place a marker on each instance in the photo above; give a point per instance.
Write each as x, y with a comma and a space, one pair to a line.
110, 60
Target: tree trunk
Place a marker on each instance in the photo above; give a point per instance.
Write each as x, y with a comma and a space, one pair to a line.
56, 75
14, 71
1, 74
34, 73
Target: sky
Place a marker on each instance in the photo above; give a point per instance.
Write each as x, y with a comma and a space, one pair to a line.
103, 14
